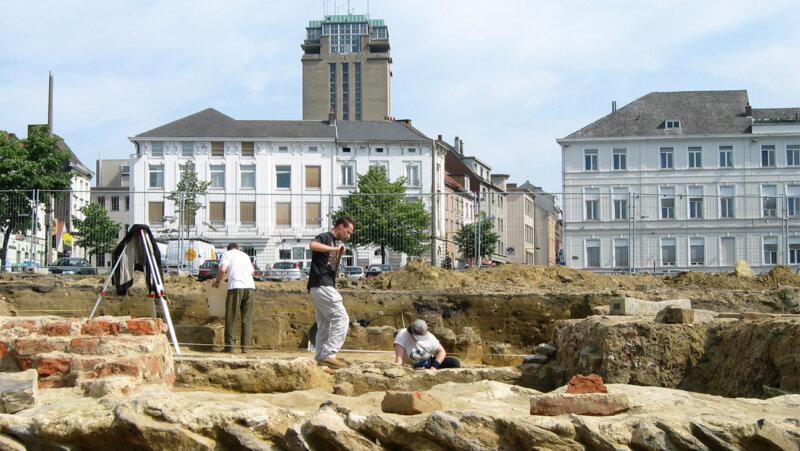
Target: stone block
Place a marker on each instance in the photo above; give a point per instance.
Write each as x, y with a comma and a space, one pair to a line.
544, 348
409, 403
633, 306
594, 404
26, 324
536, 358
591, 383
18, 391
675, 315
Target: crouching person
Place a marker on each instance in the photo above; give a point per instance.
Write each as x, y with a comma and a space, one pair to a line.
416, 346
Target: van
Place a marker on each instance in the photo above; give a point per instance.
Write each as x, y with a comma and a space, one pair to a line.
191, 255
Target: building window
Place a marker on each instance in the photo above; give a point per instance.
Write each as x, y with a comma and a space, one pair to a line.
313, 214
726, 202
593, 253
357, 74
620, 159
793, 200
127, 203
346, 91
667, 203
621, 203
332, 86
216, 213
793, 155
412, 174
695, 157
344, 37
313, 149
157, 149
696, 202
284, 254
247, 213
248, 149
666, 158
726, 156
187, 149
346, 175
248, 175
313, 177
283, 213
590, 159
668, 252
114, 203
767, 156
794, 252
102, 201
621, 254
770, 250
155, 212
217, 176
412, 150
217, 149
283, 176
770, 200
672, 124
697, 251
156, 176
592, 204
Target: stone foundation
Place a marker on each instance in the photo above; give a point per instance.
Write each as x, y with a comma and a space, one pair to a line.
98, 356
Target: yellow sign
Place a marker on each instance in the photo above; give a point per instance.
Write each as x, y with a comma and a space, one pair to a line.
66, 238
191, 254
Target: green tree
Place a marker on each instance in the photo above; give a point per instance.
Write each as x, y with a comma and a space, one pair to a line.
465, 237
96, 231
34, 163
188, 198
384, 216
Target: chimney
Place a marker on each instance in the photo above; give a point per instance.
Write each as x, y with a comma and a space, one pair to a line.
439, 138
613, 106
748, 110
331, 117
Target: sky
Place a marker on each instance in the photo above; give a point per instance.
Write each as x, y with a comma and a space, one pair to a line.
507, 77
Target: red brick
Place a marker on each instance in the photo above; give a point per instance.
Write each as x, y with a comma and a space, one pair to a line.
84, 345
24, 323
100, 327
88, 364
25, 364
60, 329
56, 382
143, 327
129, 367
33, 346
50, 366
170, 378
591, 383
152, 365
3, 349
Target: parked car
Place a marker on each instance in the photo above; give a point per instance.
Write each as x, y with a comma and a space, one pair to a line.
258, 273
72, 265
208, 270
279, 275
374, 270
354, 272
286, 265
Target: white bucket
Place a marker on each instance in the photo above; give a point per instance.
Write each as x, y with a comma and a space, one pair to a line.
215, 298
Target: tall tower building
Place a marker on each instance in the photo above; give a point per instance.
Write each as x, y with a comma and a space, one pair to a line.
346, 69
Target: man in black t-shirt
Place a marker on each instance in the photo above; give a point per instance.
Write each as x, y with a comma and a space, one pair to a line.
332, 318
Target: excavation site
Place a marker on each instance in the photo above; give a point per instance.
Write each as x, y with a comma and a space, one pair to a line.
551, 358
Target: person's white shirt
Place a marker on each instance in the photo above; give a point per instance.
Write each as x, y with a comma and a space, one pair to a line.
417, 347
239, 269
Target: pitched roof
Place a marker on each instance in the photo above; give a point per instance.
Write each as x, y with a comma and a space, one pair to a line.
776, 114
699, 113
210, 123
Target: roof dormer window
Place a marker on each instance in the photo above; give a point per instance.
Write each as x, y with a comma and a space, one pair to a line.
672, 124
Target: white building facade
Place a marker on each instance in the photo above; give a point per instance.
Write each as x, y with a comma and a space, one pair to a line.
275, 183
683, 181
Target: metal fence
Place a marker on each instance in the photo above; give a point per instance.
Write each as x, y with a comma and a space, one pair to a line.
269, 227
626, 231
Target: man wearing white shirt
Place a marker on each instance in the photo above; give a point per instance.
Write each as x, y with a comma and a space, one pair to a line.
241, 294
419, 348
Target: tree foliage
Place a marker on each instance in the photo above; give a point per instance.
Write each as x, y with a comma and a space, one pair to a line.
465, 237
96, 231
384, 216
187, 197
34, 163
